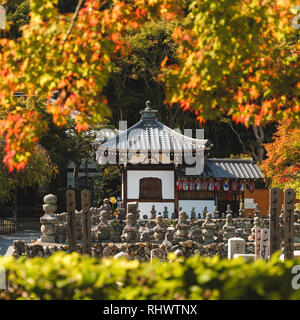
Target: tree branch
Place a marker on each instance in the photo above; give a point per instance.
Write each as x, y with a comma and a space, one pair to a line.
238, 136
75, 15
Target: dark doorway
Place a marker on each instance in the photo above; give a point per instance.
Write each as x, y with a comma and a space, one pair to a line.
150, 189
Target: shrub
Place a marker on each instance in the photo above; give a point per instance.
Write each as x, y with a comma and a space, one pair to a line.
73, 276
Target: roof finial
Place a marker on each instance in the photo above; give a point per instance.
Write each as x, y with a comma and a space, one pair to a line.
148, 105
148, 114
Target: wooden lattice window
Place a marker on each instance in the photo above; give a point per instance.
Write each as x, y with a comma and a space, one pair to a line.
150, 189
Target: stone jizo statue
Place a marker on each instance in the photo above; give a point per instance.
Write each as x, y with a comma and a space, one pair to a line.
121, 212
240, 233
103, 228
209, 229
228, 210
242, 211
229, 228
204, 211
193, 214
217, 213
196, 234
159, 230
130, 231
107, 208
153, 212
182, 227
257, 224
165, 213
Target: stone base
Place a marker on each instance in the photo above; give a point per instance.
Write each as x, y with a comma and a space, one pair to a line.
48, 239
247, 257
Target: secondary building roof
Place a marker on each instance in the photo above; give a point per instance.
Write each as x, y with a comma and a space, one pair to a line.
228, 168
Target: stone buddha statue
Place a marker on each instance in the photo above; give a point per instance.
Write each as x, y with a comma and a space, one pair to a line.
153, 212
103, 228
209, 229
130, 231
257, 224
229, 228
166, 213
182, 227
107, 208
242, 211
193, 214
159, 230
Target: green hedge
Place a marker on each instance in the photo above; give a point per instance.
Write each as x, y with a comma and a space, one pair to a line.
72, 276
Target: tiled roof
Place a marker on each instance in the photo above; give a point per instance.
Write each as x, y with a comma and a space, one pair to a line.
229, 168
151, 135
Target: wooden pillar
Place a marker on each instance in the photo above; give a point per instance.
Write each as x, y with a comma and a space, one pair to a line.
72, 227
175, 196
86, 222
289, 200
125, 187
216, 197
274, 211
264, 245
235, 214
257, 243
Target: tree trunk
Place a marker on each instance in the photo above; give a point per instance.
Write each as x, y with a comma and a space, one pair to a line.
75, 174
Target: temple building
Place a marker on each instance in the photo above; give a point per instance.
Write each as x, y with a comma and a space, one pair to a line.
165, 168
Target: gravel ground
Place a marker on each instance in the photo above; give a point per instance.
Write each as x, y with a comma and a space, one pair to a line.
6, 241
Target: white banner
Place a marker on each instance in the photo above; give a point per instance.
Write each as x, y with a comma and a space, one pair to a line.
249, 203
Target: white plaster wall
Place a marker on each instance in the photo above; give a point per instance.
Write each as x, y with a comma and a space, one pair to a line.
133, 182
145, 208
198, 204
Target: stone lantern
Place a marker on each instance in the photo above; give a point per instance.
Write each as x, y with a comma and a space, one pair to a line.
48, 220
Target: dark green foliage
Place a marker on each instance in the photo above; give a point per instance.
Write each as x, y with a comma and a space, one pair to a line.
39, 171
66, 6
61, 199
134, 78
73, 276
17, 15
110, 182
